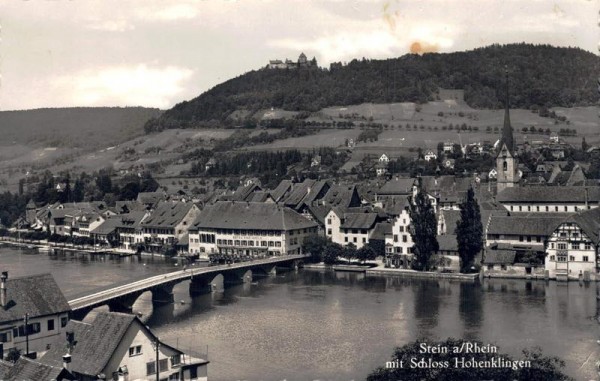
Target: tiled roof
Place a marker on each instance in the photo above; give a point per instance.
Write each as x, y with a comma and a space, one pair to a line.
150, 197
447, 242
5, 367
244, 193
29, 370
397, 186
549, 194
451, 218
168, 214
358, 220
299, 191
589, 221
108, 226
380, 231
283, 187
319, 212
36, 295
250, 215
523, 225
342, 196
95, 343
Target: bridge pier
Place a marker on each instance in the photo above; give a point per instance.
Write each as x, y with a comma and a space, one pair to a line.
162, 295
200, 286
79, 314
234, 277
123, 304
291, 266
264, 271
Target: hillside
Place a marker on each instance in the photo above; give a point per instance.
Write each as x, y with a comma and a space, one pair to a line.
540, 75
84, 127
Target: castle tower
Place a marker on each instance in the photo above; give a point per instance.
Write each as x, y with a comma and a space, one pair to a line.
506, 161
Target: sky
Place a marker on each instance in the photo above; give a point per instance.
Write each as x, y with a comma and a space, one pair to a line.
60, 53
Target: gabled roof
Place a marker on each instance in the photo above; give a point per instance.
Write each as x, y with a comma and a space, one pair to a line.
589, 221
342, 196
541, 194
95, 343
36, 295
108, 226
447, 242
319, 212
381, 230
283, 187
29, 370
359, 220
299, 191
250, 215
244, 193
523, 225
168, 214
397, 186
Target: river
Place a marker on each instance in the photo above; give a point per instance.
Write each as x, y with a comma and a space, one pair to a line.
339, 326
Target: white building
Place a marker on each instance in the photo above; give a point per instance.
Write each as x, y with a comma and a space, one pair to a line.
249, 229
572, 250
345, 228
545, 199
430, 155
168, 224
384, 158
399, 243
47, 311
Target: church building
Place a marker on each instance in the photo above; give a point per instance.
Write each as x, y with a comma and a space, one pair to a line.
506, 161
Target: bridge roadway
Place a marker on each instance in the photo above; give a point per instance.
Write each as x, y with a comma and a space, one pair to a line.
121, 298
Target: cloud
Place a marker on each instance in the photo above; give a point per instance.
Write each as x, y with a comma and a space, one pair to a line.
124, 85
171, 12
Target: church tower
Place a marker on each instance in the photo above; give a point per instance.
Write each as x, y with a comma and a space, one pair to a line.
506, 161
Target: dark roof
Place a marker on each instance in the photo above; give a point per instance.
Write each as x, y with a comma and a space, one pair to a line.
259, 196
283, 187
397, 186
451, 218
319, 212
358, 220
342, 196
542, 194
299, 191
446, 184
447, 242
150, 197
4, 369
244, 193
394, 205
250, 215
381, 230
500, 256
168, 214
29, 370
95, 342
589, 221
36, 295
523, 225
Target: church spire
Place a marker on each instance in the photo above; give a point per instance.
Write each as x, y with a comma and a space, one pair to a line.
507, 135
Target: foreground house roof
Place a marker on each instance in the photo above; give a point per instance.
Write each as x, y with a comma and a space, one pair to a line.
523, 225
168, 214
250, 215
36, 295
29, 370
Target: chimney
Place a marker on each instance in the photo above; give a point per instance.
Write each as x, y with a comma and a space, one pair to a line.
66, 361
3, 296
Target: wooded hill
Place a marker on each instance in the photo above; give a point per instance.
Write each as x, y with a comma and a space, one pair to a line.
90, 127
540, 75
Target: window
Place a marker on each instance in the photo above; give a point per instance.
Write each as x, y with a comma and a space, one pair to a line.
163, 364
537, 208
404, 238
354, 239
278, 244
490, 267
571, 258
329, 221
503, 267
328, 231
556, 208
528, 238
401, 229
50, 324
174, 377
547, 208
150, 368
31, 328
175, 360
561, 246
395, 237
586, 258
364, 240
520, 238
135, 350
575, 246
5, 337
346, 239
520, 208
552, 258
565, 208
63, 321
587, 246
538, 239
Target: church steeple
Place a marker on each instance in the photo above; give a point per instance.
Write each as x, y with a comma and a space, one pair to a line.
507, 135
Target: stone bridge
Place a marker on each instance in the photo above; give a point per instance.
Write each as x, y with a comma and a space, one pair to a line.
202, 280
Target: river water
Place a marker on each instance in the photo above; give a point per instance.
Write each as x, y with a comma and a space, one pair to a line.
339, 326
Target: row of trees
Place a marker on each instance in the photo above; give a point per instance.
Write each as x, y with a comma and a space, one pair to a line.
324, 250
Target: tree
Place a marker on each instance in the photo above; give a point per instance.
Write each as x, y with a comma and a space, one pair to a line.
542, 367
469, 231
423, 229
366, 253
331, 253
349, 252
315, 245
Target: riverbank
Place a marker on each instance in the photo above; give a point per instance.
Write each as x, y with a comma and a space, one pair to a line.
381, 270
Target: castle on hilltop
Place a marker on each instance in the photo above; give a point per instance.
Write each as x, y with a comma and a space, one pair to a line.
289, 64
